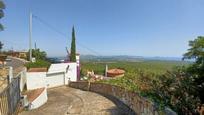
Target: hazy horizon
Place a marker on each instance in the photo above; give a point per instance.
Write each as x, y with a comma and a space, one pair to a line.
123, 56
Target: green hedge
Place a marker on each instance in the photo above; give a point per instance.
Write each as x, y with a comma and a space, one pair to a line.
38, 64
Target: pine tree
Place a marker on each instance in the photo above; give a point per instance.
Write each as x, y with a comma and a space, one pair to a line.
73, 47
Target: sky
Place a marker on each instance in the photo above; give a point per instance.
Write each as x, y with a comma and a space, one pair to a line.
104, 27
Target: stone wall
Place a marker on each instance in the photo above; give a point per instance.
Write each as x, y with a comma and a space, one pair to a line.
135, 103
3, 78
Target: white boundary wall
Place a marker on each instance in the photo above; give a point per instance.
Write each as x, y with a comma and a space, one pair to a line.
40, 100
72, 73
35, 80
22, 79
57, 75
55, 79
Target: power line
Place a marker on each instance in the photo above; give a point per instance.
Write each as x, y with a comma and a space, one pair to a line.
63, 34
49, 26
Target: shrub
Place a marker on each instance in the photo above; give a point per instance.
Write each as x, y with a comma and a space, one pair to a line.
38, 64
177, 90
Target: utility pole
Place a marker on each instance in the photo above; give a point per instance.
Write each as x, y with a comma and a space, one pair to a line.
30, 36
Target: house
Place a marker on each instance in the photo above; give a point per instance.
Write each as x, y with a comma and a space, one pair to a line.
18, 54
57, 75
39, 79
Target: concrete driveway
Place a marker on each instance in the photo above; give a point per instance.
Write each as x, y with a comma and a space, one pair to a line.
69, 101
17, 64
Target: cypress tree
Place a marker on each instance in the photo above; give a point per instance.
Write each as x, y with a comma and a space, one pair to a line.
73, 47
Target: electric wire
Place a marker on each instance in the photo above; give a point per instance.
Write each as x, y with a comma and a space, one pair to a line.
63, 34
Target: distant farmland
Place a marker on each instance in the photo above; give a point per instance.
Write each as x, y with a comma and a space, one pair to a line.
155, 67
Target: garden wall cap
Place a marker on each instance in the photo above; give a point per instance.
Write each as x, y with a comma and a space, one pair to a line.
37, 70
33, 94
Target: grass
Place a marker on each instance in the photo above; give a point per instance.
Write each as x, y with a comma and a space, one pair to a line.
153, 67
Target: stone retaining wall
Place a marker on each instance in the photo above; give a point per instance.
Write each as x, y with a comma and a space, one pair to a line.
136, 104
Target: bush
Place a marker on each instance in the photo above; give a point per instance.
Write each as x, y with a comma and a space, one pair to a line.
38, 64
177, 90
174, 89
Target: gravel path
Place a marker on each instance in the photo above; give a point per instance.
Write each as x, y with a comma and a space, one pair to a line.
70, 101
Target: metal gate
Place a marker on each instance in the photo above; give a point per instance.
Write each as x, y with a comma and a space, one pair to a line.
10, 97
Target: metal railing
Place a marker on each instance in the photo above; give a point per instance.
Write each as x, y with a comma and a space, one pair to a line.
10, 97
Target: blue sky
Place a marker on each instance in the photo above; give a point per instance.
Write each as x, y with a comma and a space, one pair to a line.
109, 27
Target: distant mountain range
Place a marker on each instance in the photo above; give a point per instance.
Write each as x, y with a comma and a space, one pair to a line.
126, 58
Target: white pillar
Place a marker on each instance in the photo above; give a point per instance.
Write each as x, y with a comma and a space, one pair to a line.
10, 74
106, 70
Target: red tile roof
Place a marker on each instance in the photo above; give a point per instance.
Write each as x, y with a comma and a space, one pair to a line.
116, 71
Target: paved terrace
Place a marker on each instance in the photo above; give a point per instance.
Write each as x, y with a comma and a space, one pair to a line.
69, 101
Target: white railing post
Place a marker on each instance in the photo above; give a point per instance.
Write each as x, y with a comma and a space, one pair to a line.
10, 74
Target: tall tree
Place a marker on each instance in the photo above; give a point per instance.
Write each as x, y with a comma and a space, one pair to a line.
196, 52
1, 46
38, 54
2, 6
73, 47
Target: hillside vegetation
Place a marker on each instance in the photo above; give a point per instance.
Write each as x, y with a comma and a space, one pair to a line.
151, 79
150, 67
175, 84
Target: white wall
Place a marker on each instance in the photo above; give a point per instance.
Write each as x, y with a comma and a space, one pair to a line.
55, 79
58, 67
72, 73
35, 80
22, 79
40, 100
57, 75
